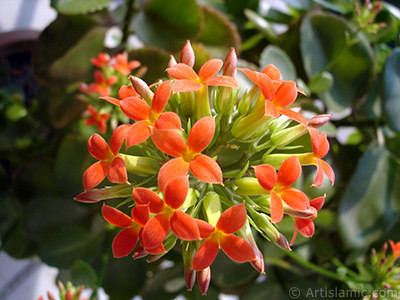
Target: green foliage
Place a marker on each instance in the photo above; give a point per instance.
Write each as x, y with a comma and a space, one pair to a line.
74, 7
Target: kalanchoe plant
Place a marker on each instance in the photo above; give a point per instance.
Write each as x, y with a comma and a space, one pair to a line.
187, 185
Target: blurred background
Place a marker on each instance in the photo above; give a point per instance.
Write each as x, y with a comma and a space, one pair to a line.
343, 53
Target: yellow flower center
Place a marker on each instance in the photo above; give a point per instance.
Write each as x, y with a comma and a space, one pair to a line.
189, 155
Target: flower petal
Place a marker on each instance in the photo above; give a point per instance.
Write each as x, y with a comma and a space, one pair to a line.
118, 137
138, 133
272, 72
182, 71
140, 214
135, 108
95, 174
117, 171
232, 219
323, 146
186, 85
327, 170
205, 255
210, 69
305, 226
276, 208
169, 141
168, 120
286, 94
170, 170
271, 110
161, 96
317, 203
143, 196
184, 226
201, 134
319, 177
126, 91
205, 228
294, 115
98, 147
237, 248
266, 85
115, 216
289, 171
111, 100
223, 81
155, 231
176, 191
251, 74
206, 169
315, 140
295, 198
124, 242
266, 176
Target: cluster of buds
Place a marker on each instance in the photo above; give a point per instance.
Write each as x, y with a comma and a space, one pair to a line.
66, 293
365, 16
111, 73
205, 165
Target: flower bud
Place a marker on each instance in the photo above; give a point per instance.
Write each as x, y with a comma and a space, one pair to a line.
203, 279
190, 277
50, 296
318, 121
142, 89
249, 186
230, 64
172, 61
96, 195
246, 127
288, 135
225, 99
140, 165
187, 55
140, 252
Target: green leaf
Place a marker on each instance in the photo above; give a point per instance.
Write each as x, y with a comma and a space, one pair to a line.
17, 244
168, 24
67, 245
83, 274
218, 33
62, 53
299, 4
329, 43
340, 6
371, 202
73, 7
391, 90
263, 25
320, 83
276, 56
70, 163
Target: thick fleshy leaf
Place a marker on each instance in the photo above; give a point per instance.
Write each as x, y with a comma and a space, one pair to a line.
237, 248
276, 208
135, 108
140, 214
72, 7
201, 134
271, 110
295, 198
210, 69
117, 171
182, 71
118, 137
170, 170
305, 226
138, 133
205, 228
185, 85
286, 94
289, 172
115, 216
98, 147
205, 255
161, 96
176, 191
168, 120
184, 226
95, 174
143, 196
155, 231
124, 242
223, 81
232, 219
206, 169
169, 141
266, 176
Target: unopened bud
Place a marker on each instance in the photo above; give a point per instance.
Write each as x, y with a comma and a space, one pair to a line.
384, 248
140, 252
387, 286
50, 296
288, 135
249, 186
187, 55
142, 89
171, 62
319, 120
310, 213
69, 295
230, 64
203, 279
190, 277
140, 165
96, 195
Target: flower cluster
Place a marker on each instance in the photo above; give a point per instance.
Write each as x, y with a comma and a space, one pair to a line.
66, 293
201, 165
111, 72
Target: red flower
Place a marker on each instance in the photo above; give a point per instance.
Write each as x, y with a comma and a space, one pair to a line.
188, 154
279, 187
97, 118
110, 164
395, 248
124, 92
149, 118
235, 247
102, 85
126, 240
101, 60
188, 81
121, 64
167, 214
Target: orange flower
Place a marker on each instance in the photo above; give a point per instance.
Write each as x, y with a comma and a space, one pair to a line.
126, 240
121, 64
188, 81
123, 93
235, 247
395, 248
279, 188
97, 118
188, 155
102, 85
101, 60
167, 214
110, 164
